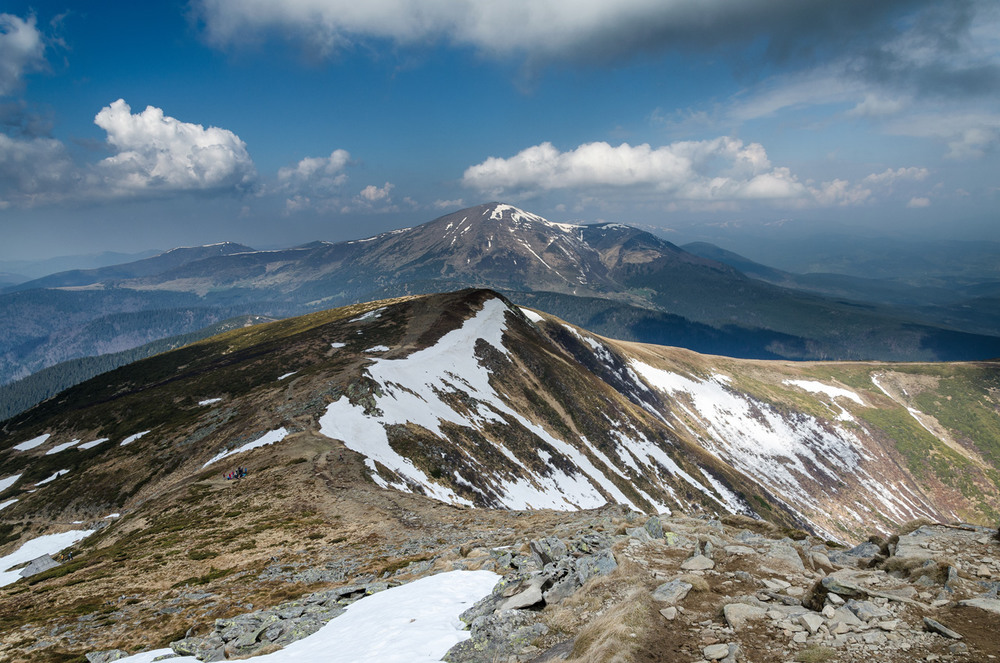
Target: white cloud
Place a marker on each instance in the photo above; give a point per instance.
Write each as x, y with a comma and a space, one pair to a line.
324, 172
314, 183
448, 204
918, 202
967, 135
372, 193
890, 176
719, 169
711, 174
34, 171
21, 50
156, 153
875, 105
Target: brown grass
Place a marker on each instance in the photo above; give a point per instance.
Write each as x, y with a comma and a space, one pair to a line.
617, 635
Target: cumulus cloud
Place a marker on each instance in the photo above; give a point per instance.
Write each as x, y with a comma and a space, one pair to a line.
719, 169
555, 29
373, 193
158, 153
448, 204
918, 202
314, 182
317, 172
21, 50
704, 174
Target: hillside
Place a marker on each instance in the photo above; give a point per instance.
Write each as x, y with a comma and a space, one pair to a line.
383, 435
610, 278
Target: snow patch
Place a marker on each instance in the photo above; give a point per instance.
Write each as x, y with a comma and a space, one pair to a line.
55, 476
338, 345
531, 315
208, 401
413, 623
271, 437
370, 315
91, 445
4, 505
287, 375
132, 438
8, 482
62, 447
33, 442
48, 544
378, 348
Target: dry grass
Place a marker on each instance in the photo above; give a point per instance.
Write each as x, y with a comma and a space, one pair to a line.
617, 635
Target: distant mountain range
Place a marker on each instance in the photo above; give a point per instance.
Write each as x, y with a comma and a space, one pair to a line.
610, 278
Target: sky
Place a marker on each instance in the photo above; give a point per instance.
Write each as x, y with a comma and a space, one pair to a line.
131, 126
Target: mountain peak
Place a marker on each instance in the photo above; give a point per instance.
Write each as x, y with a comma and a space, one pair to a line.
518, 217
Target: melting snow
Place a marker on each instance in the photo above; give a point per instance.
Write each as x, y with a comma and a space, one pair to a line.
62, 447
48, 544
531, 315
270, 437
8, 482
413, 623
378, 348
370, 315
412, 392
55, 476
132, 438
91, 445
32, 443
833, 392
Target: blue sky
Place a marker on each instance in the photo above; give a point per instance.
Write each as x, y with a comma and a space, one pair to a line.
127, 126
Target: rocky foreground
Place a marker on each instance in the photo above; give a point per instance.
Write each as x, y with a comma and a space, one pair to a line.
621, 586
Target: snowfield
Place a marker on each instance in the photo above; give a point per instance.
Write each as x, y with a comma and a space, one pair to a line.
32, 443
413, 623
48, 544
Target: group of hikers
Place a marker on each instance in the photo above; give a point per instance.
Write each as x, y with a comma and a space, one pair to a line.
238, 473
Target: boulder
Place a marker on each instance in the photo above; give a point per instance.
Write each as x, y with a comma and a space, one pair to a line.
935, 626
600, 564
783, 559
497, 637
738, 614
654, 527
990, 605
715, 652
547, 550
672, 592
698, 563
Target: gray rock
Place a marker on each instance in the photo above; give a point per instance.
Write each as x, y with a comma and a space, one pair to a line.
672, 592
561, 589
715, 652
547, 550
106, 656
590, 566
864, 552
783, 559
639, 533
939, 628
866, 611
698, 563
737, 614
497, 637
990, 605
654, 527
811, 621
532, 595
